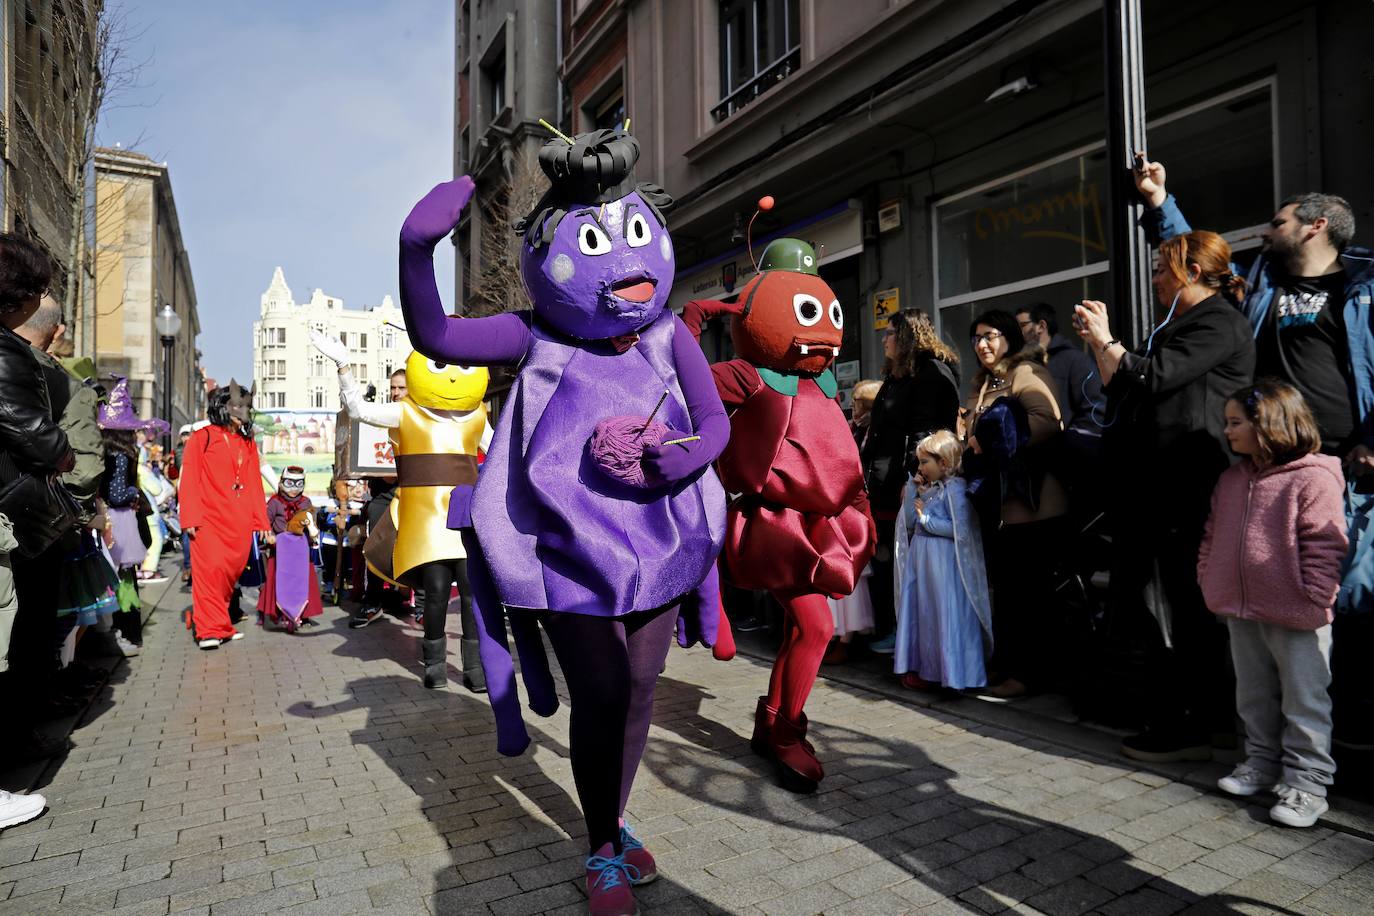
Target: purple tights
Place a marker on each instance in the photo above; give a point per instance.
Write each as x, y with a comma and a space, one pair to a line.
611, 665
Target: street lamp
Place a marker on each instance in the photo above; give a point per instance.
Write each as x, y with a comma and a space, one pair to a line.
168, 324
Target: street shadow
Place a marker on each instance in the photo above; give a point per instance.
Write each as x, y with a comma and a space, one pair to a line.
498, 815
919, 819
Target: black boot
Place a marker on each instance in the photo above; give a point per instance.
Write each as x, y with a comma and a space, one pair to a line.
474, 678
435, 656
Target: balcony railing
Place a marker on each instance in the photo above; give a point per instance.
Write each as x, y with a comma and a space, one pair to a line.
766, 78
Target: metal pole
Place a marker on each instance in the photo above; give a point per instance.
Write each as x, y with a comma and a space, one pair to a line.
1123, 65
167, 392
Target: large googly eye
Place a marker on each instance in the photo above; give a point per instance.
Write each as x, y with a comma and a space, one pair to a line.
637, 231
808, 309
466, 370
837, 315
591, 240
436, 366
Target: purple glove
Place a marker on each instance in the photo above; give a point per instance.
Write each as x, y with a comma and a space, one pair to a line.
438, 212
668, 464
698, 620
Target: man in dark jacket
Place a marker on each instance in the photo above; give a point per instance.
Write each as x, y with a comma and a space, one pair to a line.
1075, 378
30, 443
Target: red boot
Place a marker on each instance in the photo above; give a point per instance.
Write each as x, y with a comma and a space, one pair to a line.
798, 769
762, 741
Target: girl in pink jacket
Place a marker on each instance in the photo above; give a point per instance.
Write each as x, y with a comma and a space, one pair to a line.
1271, 565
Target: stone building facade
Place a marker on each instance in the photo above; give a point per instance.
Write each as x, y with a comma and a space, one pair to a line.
140, 265
949, 154
291, 375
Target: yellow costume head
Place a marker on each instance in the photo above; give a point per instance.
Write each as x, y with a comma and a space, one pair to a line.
444, 387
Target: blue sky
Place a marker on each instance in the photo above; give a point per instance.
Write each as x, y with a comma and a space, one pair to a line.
296, 132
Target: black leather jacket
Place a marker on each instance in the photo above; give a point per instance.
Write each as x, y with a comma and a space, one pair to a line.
30, 439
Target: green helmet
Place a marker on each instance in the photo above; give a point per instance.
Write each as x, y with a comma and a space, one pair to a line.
789, 254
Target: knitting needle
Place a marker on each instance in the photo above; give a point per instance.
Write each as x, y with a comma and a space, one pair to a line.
682, 440
645, 428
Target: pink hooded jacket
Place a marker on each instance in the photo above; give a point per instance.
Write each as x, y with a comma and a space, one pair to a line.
1275, 542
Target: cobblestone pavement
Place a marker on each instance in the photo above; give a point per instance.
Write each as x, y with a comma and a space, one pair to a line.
314, 774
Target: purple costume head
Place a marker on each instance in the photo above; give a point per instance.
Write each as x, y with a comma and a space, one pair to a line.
597, 261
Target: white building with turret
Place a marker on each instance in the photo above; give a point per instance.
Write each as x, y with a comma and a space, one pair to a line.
292, 375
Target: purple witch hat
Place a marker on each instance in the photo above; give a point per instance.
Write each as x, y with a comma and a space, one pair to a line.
118, 413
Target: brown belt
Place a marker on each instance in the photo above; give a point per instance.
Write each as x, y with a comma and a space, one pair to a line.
435, 470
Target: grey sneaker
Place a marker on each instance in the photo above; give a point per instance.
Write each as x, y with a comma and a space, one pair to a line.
128, 649
1297, 808
1245, 780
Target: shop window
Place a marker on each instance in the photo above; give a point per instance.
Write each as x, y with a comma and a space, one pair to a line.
1039, 234
760, 45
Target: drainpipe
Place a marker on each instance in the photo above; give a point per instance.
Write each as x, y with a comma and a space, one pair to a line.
1123, 64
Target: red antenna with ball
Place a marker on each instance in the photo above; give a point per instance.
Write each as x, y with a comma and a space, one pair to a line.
765, 203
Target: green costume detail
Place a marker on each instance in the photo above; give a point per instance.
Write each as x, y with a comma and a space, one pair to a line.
785, 383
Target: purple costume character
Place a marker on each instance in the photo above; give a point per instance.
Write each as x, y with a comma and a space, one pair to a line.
610, 569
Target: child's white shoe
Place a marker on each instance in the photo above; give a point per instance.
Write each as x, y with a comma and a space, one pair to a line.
1245, 781
1297, 808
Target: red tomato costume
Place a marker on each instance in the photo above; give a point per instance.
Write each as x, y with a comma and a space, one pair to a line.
800, 527
221, 497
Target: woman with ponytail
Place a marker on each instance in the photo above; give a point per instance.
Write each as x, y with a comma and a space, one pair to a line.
1164, 446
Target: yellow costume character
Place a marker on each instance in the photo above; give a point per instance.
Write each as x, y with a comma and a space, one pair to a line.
437, 429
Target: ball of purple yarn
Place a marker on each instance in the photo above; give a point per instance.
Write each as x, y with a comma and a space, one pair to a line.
617, 447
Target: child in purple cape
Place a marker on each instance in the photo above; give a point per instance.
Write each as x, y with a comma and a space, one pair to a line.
610, 568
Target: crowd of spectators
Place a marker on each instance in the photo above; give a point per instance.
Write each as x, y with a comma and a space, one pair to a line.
69, 574
1074, 444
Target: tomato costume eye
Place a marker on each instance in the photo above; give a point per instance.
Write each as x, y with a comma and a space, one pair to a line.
808, 309
837, 315
591, 240
437, 366
637, 231
466, 370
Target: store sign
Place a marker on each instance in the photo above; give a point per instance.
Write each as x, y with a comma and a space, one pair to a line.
833, 238
886, 304
890, 216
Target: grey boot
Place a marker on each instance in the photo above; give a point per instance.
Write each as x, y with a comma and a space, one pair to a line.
435, 656
474, 678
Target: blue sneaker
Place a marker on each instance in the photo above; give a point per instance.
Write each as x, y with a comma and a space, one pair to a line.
608, 884
636, 856
885, 646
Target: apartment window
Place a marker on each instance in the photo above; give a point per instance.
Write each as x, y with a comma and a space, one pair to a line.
360, 372
1038, 234
362, 341
760, 44
274, 337
388, 339
610, 114
317, 397
494, 77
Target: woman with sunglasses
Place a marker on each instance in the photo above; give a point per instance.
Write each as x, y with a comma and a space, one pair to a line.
1164, 446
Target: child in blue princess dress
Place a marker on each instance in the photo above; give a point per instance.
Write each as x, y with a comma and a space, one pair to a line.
943, 612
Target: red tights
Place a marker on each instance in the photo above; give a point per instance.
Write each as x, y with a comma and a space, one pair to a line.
807, 628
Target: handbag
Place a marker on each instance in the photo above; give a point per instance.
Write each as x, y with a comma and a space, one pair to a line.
1357, 573
41, 511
